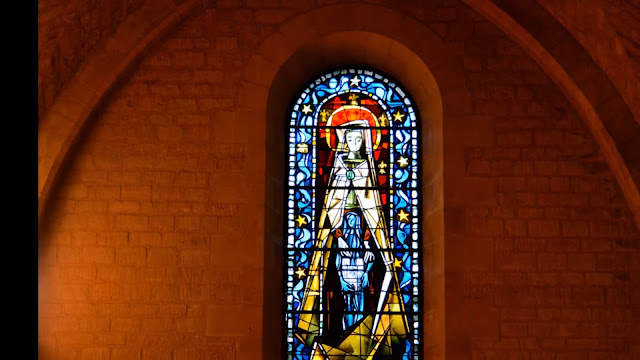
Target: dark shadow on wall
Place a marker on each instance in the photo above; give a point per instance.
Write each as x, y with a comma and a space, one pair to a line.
292, 78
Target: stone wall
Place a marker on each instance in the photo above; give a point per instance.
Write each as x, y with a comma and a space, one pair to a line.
603, 29
153, 242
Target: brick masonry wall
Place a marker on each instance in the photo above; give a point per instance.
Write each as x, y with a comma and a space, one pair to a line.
545, 263
145, 249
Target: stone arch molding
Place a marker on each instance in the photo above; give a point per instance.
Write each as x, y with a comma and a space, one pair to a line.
100, 73
95, 79
359, 34
576, 93
307, 61
116, 55
376, 37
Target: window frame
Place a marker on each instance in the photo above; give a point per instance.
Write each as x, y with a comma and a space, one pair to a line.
417, 128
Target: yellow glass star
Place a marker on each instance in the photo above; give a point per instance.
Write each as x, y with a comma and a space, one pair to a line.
300, 272
397, 263
306, 109
403, 216
301, 220
403, 162
398, 116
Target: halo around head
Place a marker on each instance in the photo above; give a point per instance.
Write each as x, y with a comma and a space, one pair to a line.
353, 115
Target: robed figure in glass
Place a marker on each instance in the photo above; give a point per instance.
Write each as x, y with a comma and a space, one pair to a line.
352, 306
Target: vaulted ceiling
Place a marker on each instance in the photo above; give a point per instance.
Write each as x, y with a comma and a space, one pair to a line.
609, 30
596, 43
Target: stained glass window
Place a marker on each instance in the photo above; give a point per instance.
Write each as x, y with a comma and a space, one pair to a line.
353, 282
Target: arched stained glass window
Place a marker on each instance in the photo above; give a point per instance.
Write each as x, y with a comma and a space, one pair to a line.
353, 264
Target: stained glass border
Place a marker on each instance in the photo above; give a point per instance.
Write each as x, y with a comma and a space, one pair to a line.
413, 123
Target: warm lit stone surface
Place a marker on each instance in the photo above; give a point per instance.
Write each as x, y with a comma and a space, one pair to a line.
603, 98
153, 246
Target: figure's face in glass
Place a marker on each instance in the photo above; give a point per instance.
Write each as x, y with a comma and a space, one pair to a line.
354, 140
352, 221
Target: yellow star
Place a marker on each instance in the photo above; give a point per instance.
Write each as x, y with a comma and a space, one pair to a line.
355, 81
306, 109
403, 216
301, 220
403, 162
383, 120
397, 263
300, 272
398, 116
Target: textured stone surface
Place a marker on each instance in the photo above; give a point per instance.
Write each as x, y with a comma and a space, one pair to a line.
610, 32
151, 248
67, 32
595, 85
